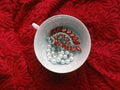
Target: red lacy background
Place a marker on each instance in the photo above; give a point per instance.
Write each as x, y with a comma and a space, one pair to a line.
19, 67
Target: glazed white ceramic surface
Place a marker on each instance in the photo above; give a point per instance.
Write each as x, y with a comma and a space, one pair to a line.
40, 42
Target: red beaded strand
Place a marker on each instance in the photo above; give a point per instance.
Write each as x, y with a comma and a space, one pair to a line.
65, 41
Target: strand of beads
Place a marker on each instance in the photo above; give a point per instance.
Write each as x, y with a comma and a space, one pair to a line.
62, 44
58, 55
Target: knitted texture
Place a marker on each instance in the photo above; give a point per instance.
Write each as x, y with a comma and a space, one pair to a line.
19, 67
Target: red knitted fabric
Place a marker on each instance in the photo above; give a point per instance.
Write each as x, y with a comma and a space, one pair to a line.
19, 67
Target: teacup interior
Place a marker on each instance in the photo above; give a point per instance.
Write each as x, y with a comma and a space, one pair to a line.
40, 43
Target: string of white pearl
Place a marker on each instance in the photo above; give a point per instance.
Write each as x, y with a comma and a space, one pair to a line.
58, 55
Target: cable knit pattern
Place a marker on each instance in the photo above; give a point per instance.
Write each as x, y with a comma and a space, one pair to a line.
19, 67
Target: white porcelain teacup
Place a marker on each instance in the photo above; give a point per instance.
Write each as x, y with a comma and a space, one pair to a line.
40, 42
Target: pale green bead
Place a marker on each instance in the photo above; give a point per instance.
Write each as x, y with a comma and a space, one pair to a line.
62, 52
58, 60
48, 54
67, 61
65, 56
71, 54
53, 48
48, 50
52, 52
54, 56
62, 62
60, 55
71, 59
49, 46
53, 61
67, 52
49, 58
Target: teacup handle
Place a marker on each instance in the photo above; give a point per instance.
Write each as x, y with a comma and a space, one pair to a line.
35, 26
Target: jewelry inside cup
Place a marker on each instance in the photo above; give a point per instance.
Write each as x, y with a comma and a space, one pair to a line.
41, 43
